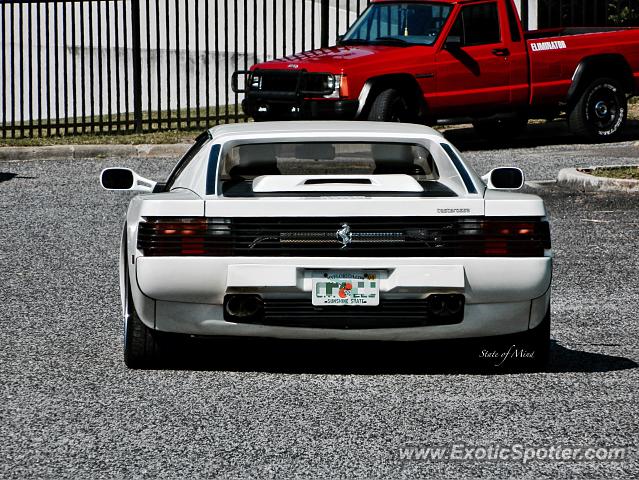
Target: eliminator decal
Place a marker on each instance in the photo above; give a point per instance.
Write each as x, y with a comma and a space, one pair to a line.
554, 45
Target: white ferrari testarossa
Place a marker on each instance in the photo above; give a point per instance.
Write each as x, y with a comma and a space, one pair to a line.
331, 230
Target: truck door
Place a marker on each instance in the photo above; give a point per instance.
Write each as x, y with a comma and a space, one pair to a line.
472, 69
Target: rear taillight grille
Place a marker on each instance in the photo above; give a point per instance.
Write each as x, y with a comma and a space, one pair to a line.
345, 237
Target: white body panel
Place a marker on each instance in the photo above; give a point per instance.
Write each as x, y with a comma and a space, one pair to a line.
357, 207
185, 294
208, 279
300, 183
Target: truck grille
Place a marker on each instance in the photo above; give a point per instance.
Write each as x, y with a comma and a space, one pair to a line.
344, 237
287, 83
278, 81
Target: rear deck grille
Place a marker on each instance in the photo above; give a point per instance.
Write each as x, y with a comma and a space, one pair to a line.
345, 237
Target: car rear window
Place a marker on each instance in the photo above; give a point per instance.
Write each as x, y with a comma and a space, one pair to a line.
241, 164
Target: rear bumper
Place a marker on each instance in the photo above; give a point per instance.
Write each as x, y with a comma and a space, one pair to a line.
185, 295
480, 320
264, 108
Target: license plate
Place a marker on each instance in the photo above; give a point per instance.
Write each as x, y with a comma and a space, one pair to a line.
345, 288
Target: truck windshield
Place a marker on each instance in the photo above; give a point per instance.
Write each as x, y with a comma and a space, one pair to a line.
400, 23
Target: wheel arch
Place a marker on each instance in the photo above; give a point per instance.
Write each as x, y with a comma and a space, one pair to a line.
402, 81
614, 65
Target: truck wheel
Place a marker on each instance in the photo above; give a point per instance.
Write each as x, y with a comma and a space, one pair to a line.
501, 130
601, 110
390, 106
141, 344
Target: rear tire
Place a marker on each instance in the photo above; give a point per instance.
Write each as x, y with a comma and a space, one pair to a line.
601, 110
141, 344
390, 106
537, 340
527, 351
501, 130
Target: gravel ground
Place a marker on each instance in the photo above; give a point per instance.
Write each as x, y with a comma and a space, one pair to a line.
545, 150
70, 409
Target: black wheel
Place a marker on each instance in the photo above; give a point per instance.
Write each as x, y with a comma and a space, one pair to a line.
390, 106
528, 351
537, 341
501, 130
601, 110
141, 344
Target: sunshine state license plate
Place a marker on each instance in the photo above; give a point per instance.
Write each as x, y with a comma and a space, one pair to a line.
345, 288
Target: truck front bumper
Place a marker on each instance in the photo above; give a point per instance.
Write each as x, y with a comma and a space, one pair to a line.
263, 108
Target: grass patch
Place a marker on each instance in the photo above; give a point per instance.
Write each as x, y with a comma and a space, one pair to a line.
118, 129
627, 173
169, 136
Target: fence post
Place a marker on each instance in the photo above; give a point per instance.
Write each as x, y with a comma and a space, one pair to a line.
324, 23
137, 65
523, 14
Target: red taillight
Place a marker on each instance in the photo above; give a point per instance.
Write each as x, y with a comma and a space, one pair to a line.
511, 237
184, 237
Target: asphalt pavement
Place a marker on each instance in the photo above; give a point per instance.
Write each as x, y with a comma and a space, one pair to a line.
69, 408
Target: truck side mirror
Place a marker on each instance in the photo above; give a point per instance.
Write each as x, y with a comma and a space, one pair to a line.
453, 42
125, 179
504, 178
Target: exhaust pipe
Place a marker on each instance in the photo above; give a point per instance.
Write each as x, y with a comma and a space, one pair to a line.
242, 307
446, 305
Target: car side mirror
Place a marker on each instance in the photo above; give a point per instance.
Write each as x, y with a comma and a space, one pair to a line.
504, 178
453, 42
125, 179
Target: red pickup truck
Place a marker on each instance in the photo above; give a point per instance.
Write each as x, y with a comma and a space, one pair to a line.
450, 61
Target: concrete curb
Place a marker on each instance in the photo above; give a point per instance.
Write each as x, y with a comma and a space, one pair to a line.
78, 152
573, 178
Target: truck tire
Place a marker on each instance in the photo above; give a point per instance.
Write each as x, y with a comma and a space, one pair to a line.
501, 130
389, 106
600, 111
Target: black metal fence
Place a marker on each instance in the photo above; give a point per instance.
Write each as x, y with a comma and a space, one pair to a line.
122, 66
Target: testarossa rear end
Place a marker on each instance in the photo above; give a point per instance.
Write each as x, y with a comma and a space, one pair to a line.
331, 230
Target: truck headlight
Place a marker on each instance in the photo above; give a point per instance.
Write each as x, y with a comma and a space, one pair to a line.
333, 83
256, 82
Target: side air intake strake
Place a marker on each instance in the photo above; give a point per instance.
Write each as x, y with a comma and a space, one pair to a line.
345, 237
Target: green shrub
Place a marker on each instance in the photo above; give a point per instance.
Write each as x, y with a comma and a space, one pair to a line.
622, 16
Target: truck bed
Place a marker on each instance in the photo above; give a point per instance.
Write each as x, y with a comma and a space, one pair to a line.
556, 53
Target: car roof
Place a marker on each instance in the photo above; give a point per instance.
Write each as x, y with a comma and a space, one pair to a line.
326, 127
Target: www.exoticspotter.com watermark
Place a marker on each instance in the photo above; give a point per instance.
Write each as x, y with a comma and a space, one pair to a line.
511, 453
